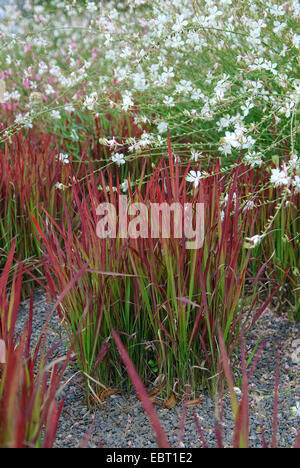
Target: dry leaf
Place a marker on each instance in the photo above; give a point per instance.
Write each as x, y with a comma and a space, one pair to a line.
2, 90
196, 402
2, 352
154, 392
170, 402
157, 404
107, 393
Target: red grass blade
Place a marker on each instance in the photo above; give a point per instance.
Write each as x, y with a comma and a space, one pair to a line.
227, 372
199, 429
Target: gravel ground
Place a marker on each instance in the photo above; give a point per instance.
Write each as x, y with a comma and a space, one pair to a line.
122, 423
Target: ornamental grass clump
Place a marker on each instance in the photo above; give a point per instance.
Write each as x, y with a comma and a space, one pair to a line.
164, 298
33, 174
29, 377
279, 225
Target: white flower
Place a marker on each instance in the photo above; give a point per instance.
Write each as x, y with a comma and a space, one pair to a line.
296, 85
118, 158
64, 158
140, 83
254, 240
225, 200
209, 76
195, 155
232, 139
60, 186
15, 95
221, 89
294, 162
246, 141
165, 76
288, 108
112, 143
91, 6
278, 27
224, 122
296, 183
206, 112
90, 101
197, 95
277, 10
194, 177
69, 108
127, 101
249, 205
141, 119
125, 186
55, 114
225, 148
49, 90
184, 87
296, 40
24, 120
169, 101
254, 159
180, 23
114, 189
162, 127
279, 177
246, 108
38, 9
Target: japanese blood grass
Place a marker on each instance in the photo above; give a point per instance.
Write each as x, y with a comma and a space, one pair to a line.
29, 173
165, 300
280, 221
29, 380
